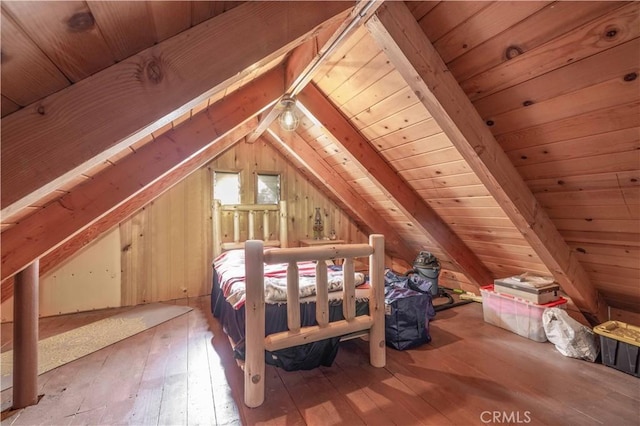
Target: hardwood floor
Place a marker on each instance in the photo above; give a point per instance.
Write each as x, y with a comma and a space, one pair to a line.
472, 373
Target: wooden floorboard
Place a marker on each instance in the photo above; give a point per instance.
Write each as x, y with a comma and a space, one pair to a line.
183, 372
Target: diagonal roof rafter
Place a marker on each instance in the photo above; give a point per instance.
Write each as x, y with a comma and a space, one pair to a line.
186, 148
357, 205
82, 125
397, 32
358, 150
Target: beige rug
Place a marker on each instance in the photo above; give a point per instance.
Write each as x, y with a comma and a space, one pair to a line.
71, 345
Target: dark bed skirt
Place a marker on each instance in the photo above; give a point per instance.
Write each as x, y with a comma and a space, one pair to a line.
303, 357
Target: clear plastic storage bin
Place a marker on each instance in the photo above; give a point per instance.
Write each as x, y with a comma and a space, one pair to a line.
517, 315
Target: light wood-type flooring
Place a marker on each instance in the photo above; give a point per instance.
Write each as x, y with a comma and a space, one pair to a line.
472, 373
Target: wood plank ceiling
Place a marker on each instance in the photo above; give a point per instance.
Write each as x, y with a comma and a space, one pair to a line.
555, 83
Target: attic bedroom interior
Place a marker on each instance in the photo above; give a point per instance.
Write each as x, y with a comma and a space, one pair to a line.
176, 175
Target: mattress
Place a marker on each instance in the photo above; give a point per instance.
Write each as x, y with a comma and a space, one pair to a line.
303, 357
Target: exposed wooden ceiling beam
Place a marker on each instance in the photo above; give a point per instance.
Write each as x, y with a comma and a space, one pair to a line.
55, 139
358, 150
358, 207
70, 247
304, 60
413, 55
60, 220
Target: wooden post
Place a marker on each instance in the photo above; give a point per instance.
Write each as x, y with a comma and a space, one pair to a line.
265, 225
283, 225
252, 215
293, 297
217, 228
25, 337
254, 367
377, 349
322, 294
236, 226
348, 289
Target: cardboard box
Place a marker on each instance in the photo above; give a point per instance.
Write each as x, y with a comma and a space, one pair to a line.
532, 288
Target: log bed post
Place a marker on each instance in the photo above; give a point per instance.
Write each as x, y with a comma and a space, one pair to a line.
254, 364
377, 351
25, 332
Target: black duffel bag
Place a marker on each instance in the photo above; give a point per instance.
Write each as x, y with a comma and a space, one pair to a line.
407, 314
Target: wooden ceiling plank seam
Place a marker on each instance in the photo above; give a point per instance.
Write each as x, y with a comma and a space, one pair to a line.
554, 20
368, 75
606, 94
27, 73
414, 56
595, 212
617, 161
339, 188
570, 149
8, 106
45, 230
169, 18
447, 15
585, 41
421, 8
158, 84
385, 87
69, 24
592, 123
403, 150
608, 64
395, 105
487, 23
371, 163
126, 27
332, 74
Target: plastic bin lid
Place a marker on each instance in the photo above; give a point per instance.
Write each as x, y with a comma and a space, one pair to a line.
558, 302
619, 330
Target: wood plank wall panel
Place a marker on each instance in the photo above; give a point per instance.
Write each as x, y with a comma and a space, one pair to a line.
301, 194
564, 103
164, 246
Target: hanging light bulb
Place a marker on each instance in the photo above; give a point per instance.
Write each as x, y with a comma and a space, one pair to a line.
288, 118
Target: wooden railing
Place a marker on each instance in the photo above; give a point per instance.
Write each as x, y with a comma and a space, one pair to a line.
256, 342
251, 210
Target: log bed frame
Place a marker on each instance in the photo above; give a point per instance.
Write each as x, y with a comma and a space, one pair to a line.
256, 257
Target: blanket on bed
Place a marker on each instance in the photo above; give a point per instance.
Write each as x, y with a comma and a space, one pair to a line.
231, 272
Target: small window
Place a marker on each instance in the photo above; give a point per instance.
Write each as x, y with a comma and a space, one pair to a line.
268, 189
226, 187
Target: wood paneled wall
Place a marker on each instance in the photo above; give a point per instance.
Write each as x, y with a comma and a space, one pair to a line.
301, 195
166, 247
164, 251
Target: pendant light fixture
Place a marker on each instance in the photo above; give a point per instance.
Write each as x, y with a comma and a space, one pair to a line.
288, 118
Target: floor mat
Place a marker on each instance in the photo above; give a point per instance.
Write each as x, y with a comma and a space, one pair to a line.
71, 345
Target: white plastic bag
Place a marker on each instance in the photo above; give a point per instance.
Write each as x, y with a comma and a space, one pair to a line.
571, 338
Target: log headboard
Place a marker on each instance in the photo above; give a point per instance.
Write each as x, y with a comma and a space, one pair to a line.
251, 210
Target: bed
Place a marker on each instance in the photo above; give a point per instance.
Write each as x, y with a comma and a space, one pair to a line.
332, 318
